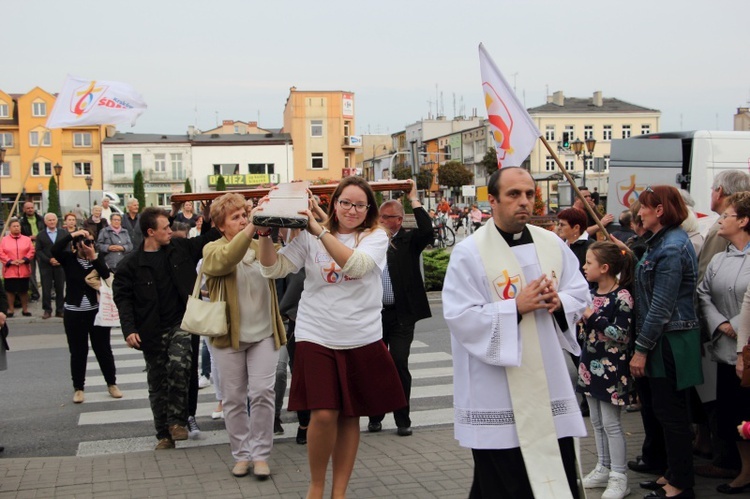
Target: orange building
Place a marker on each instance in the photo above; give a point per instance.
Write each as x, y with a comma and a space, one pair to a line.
32, 150
321, 124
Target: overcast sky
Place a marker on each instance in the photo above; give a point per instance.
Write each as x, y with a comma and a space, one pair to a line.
196, 62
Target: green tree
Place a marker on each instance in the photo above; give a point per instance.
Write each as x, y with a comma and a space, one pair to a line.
489, 161
454, 174
539, 206
402, 173
188, 187
221, 184
424, 179
139, 189
54, 198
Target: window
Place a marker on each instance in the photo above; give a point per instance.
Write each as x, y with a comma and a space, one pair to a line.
5, 169
260, 168
160, 163
82, 168
36, 169
480, 148
645, 129
607, 132
236, 129
316, 161
590, 164
4, 111
177, 172
227, 169
549, 164
137, 165
570, 130
347, 128
118, 160
606, 162
316, 128
34, 139
625, 131
39, 109
6, 140
82, 139
570, 164
550, 132
347, 161
163, 198
588, 132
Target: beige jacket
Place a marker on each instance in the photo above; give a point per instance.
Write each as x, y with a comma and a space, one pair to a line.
220, 260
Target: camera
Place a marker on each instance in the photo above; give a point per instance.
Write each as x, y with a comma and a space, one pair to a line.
82, 239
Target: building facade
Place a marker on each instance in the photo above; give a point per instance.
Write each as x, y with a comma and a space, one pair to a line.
321, 125
742, 119
564, 119
32, 151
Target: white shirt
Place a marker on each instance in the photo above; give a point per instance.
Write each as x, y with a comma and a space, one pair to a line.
336, 310
107, 213
482, 403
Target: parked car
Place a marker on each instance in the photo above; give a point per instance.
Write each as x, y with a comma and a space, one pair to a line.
484, 207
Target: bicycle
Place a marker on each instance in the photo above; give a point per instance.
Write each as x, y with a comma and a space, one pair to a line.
444, 235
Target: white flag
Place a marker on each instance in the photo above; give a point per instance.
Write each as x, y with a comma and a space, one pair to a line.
512, 128
95, 102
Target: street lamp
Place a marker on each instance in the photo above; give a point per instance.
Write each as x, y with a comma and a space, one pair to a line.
89, 181
58, 171
2, 168
577, 146
372, 160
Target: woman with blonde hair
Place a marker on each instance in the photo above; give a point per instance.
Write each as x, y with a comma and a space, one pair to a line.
246, 357
342, 369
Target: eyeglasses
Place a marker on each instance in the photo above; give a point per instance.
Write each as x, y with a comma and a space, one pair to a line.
724, 216
388, 217
347, 205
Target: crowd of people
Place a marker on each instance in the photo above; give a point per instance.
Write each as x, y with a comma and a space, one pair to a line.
562, 324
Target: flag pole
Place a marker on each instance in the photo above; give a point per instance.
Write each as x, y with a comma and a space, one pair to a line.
588, 207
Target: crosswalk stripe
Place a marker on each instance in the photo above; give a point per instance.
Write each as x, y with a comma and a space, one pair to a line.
431, 417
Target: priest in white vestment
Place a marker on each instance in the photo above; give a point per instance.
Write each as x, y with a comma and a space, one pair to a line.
512, 297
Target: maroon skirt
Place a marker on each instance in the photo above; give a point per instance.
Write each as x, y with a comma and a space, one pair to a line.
358, 382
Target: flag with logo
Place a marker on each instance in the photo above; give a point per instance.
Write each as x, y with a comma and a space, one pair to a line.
512, 128
95, 102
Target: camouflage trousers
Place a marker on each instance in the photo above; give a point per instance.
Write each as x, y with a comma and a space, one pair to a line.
168, 370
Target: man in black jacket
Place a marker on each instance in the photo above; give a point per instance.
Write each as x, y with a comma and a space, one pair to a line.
32, 224
404, 297
151, 289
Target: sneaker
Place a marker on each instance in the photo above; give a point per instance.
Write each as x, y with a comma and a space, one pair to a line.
277, 428
597, 478
301, 436
178, 432
165, 443
203, 382
192, 426
617, 487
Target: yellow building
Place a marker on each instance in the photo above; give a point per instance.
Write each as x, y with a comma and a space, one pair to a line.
32, 150
565, 119
321, 124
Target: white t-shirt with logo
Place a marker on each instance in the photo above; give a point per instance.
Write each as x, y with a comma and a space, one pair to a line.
336, 310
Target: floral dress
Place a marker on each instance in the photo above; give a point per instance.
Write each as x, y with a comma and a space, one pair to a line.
603, 371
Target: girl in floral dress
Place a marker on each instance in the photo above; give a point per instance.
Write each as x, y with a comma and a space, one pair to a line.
603, 371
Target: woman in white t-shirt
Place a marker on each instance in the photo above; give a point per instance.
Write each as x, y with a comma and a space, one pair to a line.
342, 369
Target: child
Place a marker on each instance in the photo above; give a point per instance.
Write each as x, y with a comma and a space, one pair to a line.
603, 372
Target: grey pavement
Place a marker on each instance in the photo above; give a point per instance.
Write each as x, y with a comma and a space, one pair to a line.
428, 464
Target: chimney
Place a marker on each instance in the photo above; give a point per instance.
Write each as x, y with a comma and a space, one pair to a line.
549, 99
252, 124
191, 132
598, 101
227, 122
558, 98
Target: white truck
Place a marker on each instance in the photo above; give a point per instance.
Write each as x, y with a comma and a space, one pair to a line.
686, 160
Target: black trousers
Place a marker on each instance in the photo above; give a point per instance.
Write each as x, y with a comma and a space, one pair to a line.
52, 278
79, 327
671, 410
501, 473
653, 451
195, 342
398, 337
303, 417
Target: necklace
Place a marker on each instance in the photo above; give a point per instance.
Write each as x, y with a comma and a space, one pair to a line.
611, 288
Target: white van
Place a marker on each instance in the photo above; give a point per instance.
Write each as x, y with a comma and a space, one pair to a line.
687, 160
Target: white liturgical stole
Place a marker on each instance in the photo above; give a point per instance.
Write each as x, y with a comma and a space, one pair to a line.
527, 382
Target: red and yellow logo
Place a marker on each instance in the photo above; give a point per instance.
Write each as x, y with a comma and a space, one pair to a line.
85, 97
630, 191
506, 286
501, 122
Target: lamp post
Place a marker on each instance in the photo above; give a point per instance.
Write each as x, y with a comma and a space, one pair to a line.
89, 181
577, 146
2, 167
372, 160
58, 171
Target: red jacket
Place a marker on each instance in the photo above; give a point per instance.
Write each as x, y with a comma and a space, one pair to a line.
16, 248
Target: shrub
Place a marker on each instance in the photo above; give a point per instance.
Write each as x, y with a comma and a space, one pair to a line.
435, 265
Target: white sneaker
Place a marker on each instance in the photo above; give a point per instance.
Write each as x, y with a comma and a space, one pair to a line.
597, 478
203, 382
193, 430
617, 488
